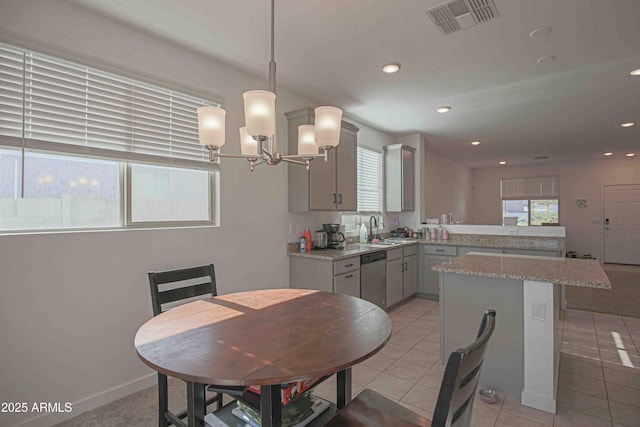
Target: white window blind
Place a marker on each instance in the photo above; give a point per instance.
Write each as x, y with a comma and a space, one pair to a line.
57, 105
529, 188
369, 180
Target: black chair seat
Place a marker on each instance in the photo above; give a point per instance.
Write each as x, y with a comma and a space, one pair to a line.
455, 400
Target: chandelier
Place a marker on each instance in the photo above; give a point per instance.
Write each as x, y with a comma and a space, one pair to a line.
257, 137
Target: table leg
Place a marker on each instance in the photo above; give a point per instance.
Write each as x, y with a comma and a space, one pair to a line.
270, 405
343, 390
195, 404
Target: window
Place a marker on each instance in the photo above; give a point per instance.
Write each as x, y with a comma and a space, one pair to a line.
532, 201
83, 148
369, 180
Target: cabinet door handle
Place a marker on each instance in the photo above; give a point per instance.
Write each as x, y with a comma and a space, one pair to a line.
348, 265
406, 267
439, 250
335, 198
340, 200
348, 276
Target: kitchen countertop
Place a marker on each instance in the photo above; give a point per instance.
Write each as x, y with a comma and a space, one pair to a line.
566, 271
477, 240
350, 250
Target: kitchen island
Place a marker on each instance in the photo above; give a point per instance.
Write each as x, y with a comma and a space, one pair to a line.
523, 355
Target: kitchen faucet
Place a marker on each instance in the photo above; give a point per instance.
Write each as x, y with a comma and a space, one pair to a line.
375, 221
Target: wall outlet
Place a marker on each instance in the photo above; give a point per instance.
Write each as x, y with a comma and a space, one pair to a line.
538, 310
292, 229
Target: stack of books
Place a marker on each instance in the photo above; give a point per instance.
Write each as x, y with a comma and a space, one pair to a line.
297, 413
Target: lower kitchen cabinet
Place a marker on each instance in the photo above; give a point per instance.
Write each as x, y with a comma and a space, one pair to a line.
432, 278
347, 283
410, 276
341, 276
394, 280
402, 273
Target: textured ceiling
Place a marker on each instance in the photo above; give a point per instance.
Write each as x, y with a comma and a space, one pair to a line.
332, 51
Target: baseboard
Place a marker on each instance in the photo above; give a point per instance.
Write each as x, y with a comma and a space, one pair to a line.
92, 402
537, 401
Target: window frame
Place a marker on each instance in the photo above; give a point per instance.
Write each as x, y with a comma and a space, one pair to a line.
380, 178
124, 158
529, 209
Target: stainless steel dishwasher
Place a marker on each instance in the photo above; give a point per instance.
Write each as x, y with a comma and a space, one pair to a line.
373, 278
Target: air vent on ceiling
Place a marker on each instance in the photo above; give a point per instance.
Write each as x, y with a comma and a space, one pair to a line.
460, 14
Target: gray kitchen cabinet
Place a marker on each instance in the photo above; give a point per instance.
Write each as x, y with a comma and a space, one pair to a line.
410, 276
326, 185
400, 178
347, 283
402, 273
432, 255
432, 278
341, 276
395, 267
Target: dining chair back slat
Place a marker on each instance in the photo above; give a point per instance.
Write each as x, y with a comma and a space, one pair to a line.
182, 291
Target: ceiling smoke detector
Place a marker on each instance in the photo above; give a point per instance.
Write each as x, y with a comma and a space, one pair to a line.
460, 14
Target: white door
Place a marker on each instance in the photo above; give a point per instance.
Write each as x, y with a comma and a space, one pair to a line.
622, 224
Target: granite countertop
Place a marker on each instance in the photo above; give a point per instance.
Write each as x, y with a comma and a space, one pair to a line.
350, 250
477, 240
499, 241
566, 271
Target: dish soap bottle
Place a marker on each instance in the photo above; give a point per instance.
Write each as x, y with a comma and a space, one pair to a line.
363, 233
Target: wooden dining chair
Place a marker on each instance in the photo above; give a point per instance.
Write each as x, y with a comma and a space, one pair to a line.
172, 286
455, 400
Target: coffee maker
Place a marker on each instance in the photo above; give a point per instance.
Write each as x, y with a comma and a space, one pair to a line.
335, 236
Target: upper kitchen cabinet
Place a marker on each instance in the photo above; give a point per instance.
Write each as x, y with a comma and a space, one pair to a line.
326, 185
400, 177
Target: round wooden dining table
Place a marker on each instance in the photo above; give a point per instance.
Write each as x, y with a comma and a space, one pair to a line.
263, 338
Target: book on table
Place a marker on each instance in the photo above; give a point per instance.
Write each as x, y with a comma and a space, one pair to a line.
297, 413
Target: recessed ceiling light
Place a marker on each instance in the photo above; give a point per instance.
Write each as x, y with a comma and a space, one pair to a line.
608, 153
443, 109
546, 59
475, 143
391, 68
630, 154
539, 32
628, 124
635, 72
502, 162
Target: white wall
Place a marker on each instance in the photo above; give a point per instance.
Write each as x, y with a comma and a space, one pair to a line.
448, 188
72, 302
577, 180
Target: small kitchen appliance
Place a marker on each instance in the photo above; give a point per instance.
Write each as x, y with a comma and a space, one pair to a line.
335, 236
321, 240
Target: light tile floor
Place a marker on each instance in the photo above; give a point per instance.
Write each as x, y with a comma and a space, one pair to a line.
599, 383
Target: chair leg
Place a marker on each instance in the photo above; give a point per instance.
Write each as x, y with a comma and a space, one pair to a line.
163, 400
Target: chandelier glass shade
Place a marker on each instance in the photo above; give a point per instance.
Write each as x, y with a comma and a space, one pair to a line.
257, 137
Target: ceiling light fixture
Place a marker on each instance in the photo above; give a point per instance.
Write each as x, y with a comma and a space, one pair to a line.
502, 162
635, 72
608, 153
630, 154
475, 143
391, 68
546, 59
443, 109
257, 137
539, 32
628, 124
